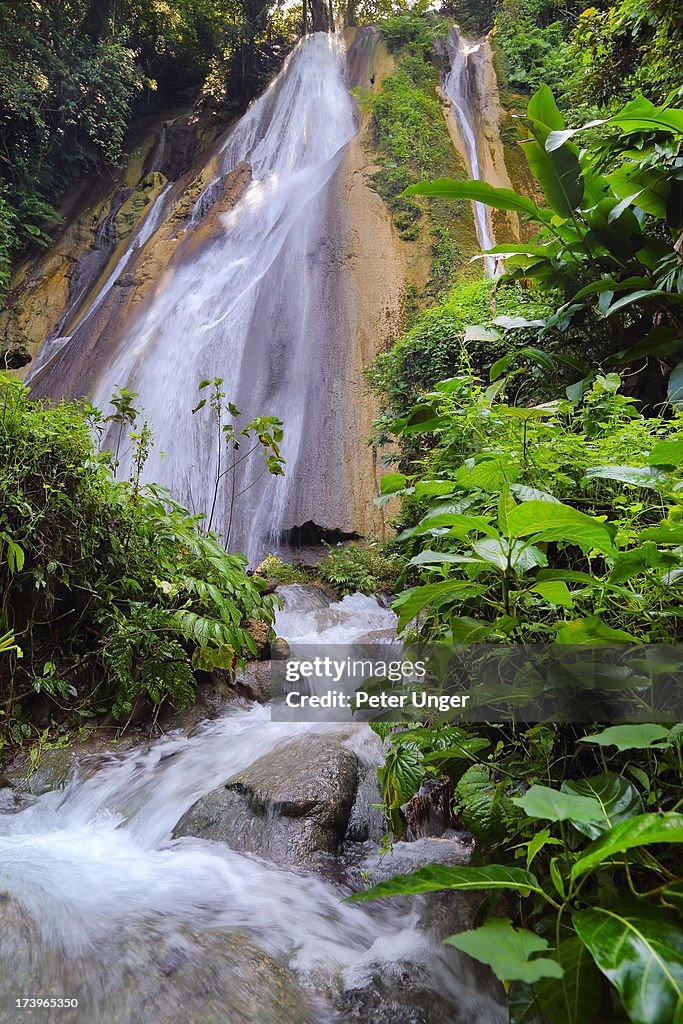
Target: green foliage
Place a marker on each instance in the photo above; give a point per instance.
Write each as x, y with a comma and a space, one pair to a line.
593, 57
413, 30
433, 348
481, 519
413, 141
114, 590
599, 927
629, 47
273, 568
608, 240
369, 569
531, 50
65, 98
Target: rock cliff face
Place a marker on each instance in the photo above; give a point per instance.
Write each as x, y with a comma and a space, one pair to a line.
52, 292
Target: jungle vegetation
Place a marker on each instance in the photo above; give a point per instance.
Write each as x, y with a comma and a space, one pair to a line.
537, 454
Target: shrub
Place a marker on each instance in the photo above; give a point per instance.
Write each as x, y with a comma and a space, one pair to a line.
113, 586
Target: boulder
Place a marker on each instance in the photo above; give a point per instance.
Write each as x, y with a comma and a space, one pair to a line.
50, 771
183, 976
289, 806
254, 681
279, 648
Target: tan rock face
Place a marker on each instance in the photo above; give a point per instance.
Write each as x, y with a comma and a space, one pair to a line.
52, 290
131, 210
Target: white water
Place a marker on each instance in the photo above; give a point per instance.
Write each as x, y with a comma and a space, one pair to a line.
460, 87
97, 858
250, 307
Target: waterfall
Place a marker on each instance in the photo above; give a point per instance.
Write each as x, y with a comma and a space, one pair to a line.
262, 295
250, 308
463, 84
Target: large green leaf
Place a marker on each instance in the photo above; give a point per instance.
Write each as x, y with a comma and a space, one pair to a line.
636, 561
643, 830
630, 737
641, 115
543, 108
553, 805
591, 630
436, 877
525, 493
638, 296
413, 601
476, 192
401, 775
559, 522
576, 998
667, 453
391, 483
557, 172
618, 798
490, 474
501, 552
640, 950
661, 341
640, 476
651, 184
555, 592
666, 532
507, 951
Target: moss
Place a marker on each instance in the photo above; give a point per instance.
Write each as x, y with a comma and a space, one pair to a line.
414, 144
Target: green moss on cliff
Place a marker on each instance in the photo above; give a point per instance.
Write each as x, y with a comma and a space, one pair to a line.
413, 143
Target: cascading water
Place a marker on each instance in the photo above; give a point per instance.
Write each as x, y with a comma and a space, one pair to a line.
97, 882
260, 301
461, 85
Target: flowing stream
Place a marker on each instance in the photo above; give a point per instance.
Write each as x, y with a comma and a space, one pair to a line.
97, 882
461, 85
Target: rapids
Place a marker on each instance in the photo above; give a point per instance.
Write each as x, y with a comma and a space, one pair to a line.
93, 868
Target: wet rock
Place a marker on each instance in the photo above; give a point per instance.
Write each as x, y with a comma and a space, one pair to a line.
208, 978
279, 648
135, 205
148, 974
396, 997
51, 772
366, 821
255, 681
441, 913
11, 801
289, 806
303, 596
